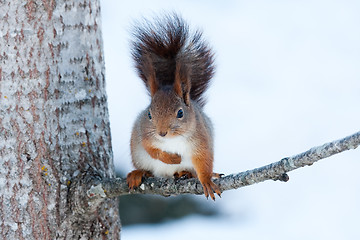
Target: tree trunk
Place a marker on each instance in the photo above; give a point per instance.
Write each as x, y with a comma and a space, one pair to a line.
53, 120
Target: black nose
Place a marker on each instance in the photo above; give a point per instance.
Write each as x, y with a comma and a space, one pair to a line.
163, 134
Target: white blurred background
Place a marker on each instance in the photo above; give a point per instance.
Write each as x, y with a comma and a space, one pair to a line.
287, 79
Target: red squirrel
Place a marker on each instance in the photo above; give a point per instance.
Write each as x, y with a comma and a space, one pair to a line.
173, 136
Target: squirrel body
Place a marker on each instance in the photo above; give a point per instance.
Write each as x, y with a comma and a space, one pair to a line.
183, 145
176, 145
173, 136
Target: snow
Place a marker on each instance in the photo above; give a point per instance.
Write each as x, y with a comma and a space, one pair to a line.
288, 79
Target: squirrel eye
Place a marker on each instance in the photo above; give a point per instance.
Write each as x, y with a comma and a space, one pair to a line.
149, 115
180, 113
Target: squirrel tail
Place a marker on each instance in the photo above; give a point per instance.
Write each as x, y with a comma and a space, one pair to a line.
165, 50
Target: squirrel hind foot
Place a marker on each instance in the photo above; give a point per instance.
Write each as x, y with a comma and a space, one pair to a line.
210, 188
135, 178
217, 175
183, 175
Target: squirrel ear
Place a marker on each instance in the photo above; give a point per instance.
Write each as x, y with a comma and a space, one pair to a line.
182, 83
150, 76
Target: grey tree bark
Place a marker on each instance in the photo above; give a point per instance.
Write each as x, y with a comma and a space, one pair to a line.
53, 120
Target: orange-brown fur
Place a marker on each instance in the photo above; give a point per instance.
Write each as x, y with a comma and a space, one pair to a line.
165, 157
203, 162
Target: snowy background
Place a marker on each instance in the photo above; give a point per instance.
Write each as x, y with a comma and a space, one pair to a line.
288, 79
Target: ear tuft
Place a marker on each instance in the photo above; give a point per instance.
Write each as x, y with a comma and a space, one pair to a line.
150, 75
182, 83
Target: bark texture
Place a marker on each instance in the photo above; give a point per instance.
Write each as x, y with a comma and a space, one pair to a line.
102, 188
53, 120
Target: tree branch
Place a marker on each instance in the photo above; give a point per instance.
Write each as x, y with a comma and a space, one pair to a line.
275, 171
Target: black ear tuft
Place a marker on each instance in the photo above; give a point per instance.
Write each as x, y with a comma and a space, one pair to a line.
182, 83
150, 75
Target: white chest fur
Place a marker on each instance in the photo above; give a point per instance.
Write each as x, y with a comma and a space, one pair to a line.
179, 145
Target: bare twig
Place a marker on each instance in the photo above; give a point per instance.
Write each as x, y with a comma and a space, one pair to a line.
274, 171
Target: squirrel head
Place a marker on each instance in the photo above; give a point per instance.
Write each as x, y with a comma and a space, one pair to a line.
169, 115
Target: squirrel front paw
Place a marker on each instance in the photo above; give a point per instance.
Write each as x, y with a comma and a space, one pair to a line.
170, 158
135, 178
165, 157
